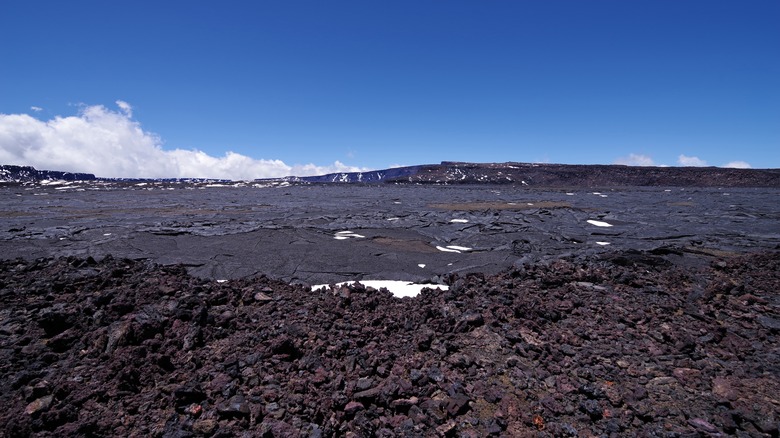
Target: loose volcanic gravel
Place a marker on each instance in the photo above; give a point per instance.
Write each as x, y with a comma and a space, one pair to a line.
614, 344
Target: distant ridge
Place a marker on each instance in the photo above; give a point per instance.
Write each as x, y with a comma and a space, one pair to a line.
556, 175
595, 175
373, 176
12, 173
451, 172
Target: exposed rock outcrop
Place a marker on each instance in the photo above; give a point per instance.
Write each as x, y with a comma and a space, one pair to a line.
20, 174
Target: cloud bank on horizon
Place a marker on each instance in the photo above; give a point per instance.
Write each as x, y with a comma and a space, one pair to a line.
112, 144
682, 160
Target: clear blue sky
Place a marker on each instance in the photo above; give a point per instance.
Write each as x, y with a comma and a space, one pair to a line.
379, 83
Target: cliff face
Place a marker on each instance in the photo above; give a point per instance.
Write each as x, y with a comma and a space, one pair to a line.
374, 176
11, 173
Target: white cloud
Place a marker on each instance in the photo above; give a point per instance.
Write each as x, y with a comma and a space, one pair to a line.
111, 144
635, 160
37, 109
125, 107
684, 160
738, 165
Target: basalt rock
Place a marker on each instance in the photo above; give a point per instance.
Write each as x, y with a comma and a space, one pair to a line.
550, 349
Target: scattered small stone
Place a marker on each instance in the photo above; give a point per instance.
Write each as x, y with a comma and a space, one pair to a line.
353, 406
205, 427
473, 318
236, 406
703, 425
592, 408
447, 428
38, 405
262, 297
770, 323
457, 405
404, 402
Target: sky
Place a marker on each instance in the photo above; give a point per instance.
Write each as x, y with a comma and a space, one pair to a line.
244, 90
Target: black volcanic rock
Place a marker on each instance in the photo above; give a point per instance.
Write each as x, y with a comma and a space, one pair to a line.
18, 174
693, 352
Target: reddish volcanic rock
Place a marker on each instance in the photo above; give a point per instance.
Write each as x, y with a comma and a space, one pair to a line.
606, 346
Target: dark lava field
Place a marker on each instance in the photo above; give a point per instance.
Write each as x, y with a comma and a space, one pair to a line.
185, 309
314, 234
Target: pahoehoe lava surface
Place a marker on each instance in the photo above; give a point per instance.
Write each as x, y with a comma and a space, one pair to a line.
289, 232
624, 344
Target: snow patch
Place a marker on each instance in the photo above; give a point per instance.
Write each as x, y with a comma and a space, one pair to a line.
453, 248
398, 288
599, 223
344, 235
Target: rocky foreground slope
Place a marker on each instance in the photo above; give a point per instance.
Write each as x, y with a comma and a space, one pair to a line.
621, 344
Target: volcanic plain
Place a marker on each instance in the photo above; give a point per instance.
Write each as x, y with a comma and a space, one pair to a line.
179, 309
